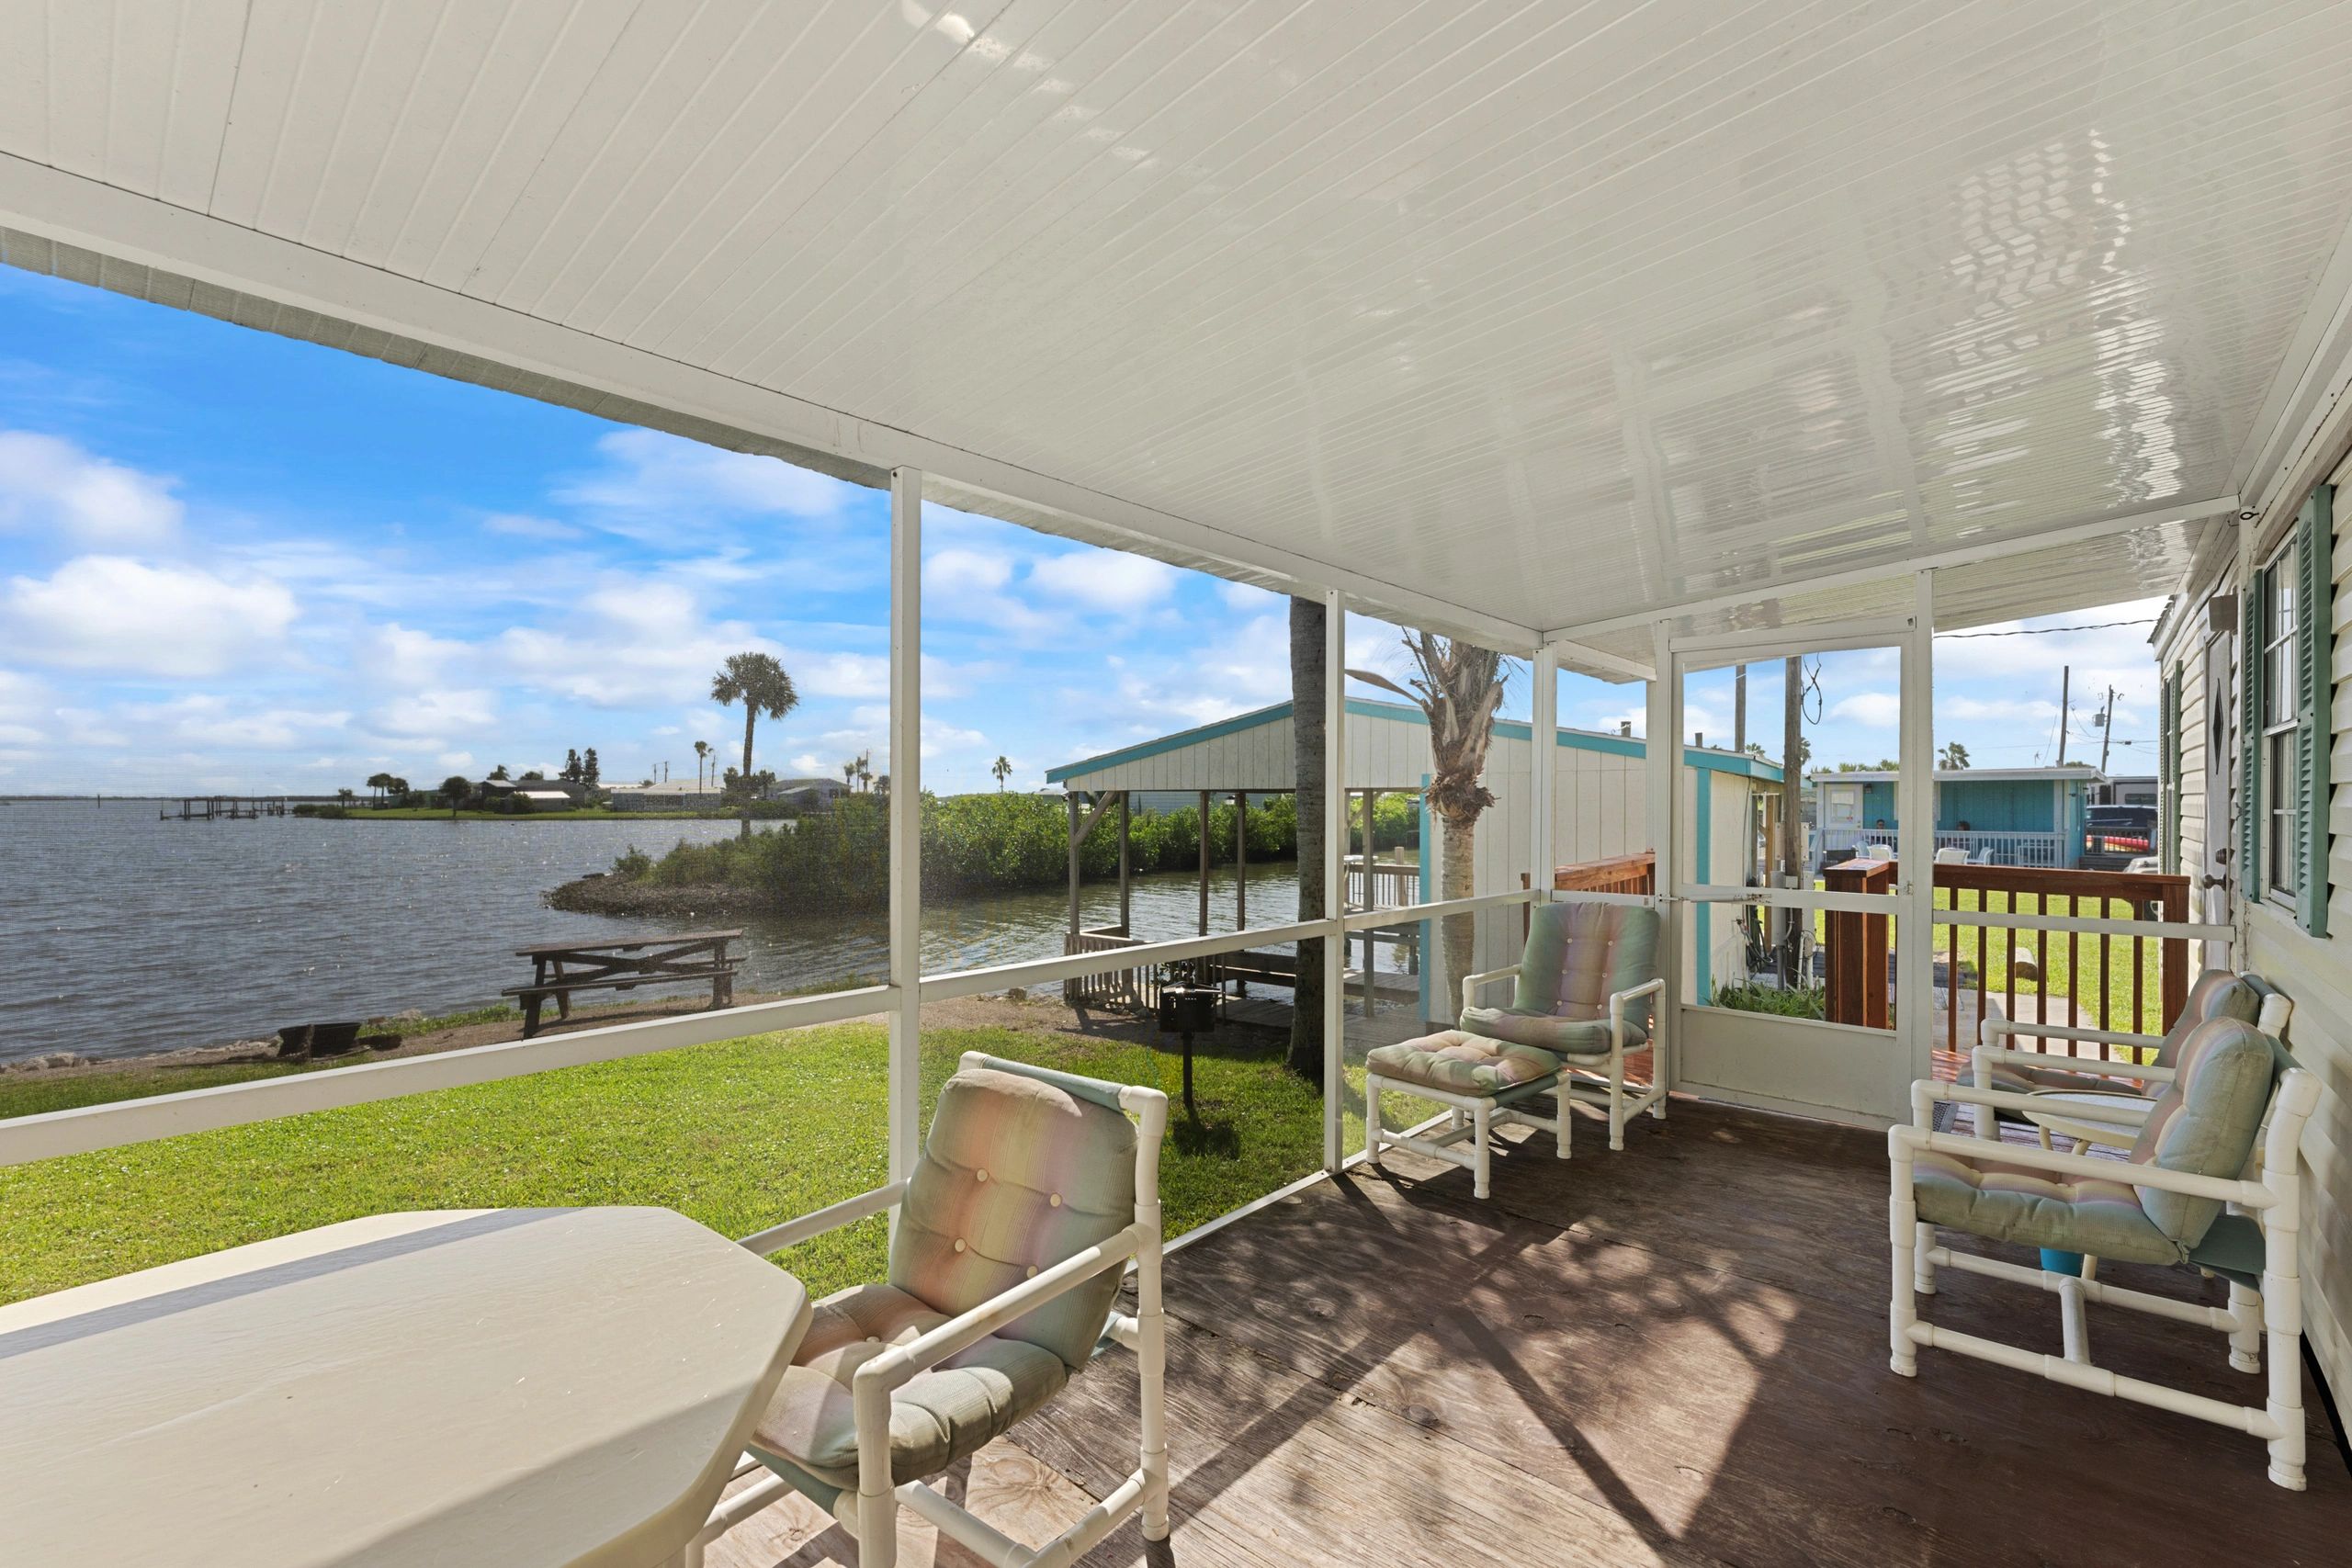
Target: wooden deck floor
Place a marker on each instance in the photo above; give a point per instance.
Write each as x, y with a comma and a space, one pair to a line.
1675, 1354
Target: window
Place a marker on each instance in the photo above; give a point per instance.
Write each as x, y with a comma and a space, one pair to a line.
2285, 696
2280, 726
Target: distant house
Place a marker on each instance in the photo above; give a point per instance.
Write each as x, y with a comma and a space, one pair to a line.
2006, 816
536, 794
808, 794
671, 795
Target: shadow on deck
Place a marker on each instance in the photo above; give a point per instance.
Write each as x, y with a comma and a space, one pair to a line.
1675, 1354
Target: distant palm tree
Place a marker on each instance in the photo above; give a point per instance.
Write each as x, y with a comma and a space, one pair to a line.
760, 683
347, 797
454, 789
499, 773
849, 772
701, 752
1955, 757
379, 783
866, 770
1003, 770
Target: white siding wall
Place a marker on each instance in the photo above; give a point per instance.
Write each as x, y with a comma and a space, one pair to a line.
2317, 973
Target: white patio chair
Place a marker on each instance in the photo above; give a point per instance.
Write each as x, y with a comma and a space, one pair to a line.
1582, 998
2232, 1088
1951, 854
2217, 993
1013, 1235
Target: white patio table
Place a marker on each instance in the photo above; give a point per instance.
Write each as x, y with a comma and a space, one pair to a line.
514, 1387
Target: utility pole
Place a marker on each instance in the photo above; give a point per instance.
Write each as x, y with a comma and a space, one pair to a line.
1739, 708
1791, 801
2105, 728
2065, 682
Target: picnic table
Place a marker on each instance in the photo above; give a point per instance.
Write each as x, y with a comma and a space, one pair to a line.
560, 968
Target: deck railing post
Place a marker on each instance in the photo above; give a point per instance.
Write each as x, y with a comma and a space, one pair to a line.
1335, 886
1915, 818
905, 1086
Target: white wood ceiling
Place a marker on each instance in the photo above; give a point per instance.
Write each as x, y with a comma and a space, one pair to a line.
1558, 311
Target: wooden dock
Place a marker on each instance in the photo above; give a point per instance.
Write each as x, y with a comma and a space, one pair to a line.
223, 809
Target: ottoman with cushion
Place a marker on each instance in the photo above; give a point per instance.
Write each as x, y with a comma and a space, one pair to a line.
1581, 997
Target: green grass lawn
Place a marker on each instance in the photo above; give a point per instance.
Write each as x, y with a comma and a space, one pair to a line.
738, 1134
577, 813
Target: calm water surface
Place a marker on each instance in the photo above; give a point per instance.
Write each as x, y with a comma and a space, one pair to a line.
124, 934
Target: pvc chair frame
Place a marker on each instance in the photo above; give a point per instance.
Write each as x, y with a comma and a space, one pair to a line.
870, 1513
2274, 1200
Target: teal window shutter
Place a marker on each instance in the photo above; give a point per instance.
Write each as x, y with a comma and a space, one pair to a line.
2250, 739
2314, 649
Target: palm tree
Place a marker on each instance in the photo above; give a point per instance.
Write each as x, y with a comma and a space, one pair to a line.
1002, 768
702, 752
499, 773
759, 682
866, 770
1955, 757
347, 797
379, 783
454, 789
1458, 689
849, 772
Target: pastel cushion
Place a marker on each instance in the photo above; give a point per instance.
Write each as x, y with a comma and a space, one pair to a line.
936, 1418
2007, 1202
1016, 1176
1562, 1036
2206, 1120
1577, 956
1462, 1063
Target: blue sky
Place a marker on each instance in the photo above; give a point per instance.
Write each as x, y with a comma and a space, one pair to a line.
231, 561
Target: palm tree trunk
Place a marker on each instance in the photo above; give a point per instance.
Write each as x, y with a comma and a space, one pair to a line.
1308, 672
1458, 878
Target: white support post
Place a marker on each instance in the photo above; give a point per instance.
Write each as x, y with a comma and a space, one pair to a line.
1543, 750
905, 1092
1663, 755
1335, 880
1915, 822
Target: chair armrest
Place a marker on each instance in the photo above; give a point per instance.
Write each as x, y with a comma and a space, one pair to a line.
2089, 1066
1992, 1028
832, 1217
1904, 1141
894, 1367
1617, 1001
1471, 984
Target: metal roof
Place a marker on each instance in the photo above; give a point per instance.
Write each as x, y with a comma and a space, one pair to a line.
1502, 317
1708, 758
2085, 775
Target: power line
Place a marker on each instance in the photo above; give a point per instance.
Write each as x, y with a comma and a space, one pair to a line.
2045, 631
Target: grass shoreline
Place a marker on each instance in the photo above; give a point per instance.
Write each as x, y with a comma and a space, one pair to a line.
737, 1134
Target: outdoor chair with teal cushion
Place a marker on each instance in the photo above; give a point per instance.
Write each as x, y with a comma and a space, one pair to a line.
1583, 995
2224, 1130
2217, 993
1031, 1191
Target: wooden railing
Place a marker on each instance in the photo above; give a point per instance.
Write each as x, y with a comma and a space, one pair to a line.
1382, 884
1136, 987
1618, 874
2135, 984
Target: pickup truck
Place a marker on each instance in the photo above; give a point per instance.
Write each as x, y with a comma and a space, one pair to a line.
2115, 836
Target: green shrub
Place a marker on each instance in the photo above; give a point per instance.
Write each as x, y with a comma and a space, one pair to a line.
971, 843
1773, 999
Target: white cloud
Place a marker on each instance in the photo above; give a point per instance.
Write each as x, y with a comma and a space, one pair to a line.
517, 526
649, 472
460, 761
438, 713
810, 766
401, 656
1882, 709
113, 613
967, 572
1105, 579
52, 485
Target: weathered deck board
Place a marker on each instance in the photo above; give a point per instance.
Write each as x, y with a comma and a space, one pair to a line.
1673, 1354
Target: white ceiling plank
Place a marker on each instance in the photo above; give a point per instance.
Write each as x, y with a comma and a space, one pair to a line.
38, 200
26, 79
207, 47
